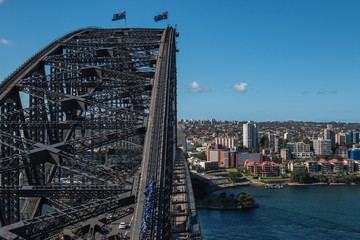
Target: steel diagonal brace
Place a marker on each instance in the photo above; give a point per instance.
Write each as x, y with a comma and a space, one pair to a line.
55, 221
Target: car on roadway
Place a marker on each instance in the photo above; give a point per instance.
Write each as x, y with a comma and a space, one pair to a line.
122, 225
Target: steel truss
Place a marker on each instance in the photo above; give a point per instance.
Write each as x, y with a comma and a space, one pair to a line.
79, 111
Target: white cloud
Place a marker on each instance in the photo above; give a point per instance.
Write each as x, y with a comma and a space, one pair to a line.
241, 87
1, 1
4, 41
195, 87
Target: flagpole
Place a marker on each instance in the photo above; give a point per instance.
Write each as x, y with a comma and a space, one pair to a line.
125, 19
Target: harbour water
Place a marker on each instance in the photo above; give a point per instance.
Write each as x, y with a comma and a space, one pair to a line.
299, 212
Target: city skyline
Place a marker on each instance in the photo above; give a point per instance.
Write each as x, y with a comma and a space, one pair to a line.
259, 60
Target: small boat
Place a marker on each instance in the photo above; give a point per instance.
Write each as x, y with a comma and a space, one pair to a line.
273, 186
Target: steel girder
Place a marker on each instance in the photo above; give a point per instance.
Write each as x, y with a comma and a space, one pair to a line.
152, 215
63, 109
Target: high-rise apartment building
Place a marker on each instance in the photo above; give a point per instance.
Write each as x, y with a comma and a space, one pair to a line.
287, 136
271, 138
322, 147
278, 144
250, 135
329, 134
341, 139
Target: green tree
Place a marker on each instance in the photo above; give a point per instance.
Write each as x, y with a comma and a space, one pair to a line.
201, 155
300, 176
308, 141
244, 198
264, 142
196, 145
233, 176
222, 195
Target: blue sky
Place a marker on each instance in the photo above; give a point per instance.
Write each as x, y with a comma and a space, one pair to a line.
239, 60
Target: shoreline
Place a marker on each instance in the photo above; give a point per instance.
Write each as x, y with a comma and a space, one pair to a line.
256, 185
243, 207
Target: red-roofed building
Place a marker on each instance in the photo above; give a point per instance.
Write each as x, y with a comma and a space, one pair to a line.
265, 169
325, 166
337, 166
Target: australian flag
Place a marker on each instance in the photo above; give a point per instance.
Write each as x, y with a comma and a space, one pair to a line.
119, 16
161, 16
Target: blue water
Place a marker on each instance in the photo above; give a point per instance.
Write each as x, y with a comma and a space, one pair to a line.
301, 212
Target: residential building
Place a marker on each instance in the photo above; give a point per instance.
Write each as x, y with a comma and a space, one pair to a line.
278, 144
355, 137
302, 155
343, 152
282, 169
355, 154
213, 155
322, 147
349, 165
298, 147
271, 139
224, 159
227, 142
340, 139
312, 166
329, 134
250, 135
325, 166
267, 151
233, 158
287, 136
285, 154
294, 165
243, 156
337, 166
207, 165
265, 169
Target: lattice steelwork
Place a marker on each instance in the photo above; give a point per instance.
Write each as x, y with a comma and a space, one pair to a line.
73, 121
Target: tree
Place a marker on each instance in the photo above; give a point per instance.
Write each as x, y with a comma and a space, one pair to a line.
196, 145
233, 176
222, 195
201, 155
308, 141
264, 142
300, 176
240, 169
244, 198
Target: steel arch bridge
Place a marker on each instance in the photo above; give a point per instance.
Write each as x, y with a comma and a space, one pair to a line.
77, 120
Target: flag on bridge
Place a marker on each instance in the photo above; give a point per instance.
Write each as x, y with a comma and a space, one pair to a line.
162, 16
119, 16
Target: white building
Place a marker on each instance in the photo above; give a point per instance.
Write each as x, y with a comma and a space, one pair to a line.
298, 147
227, 142
250, 135
287, 136
302, 154
214, 155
